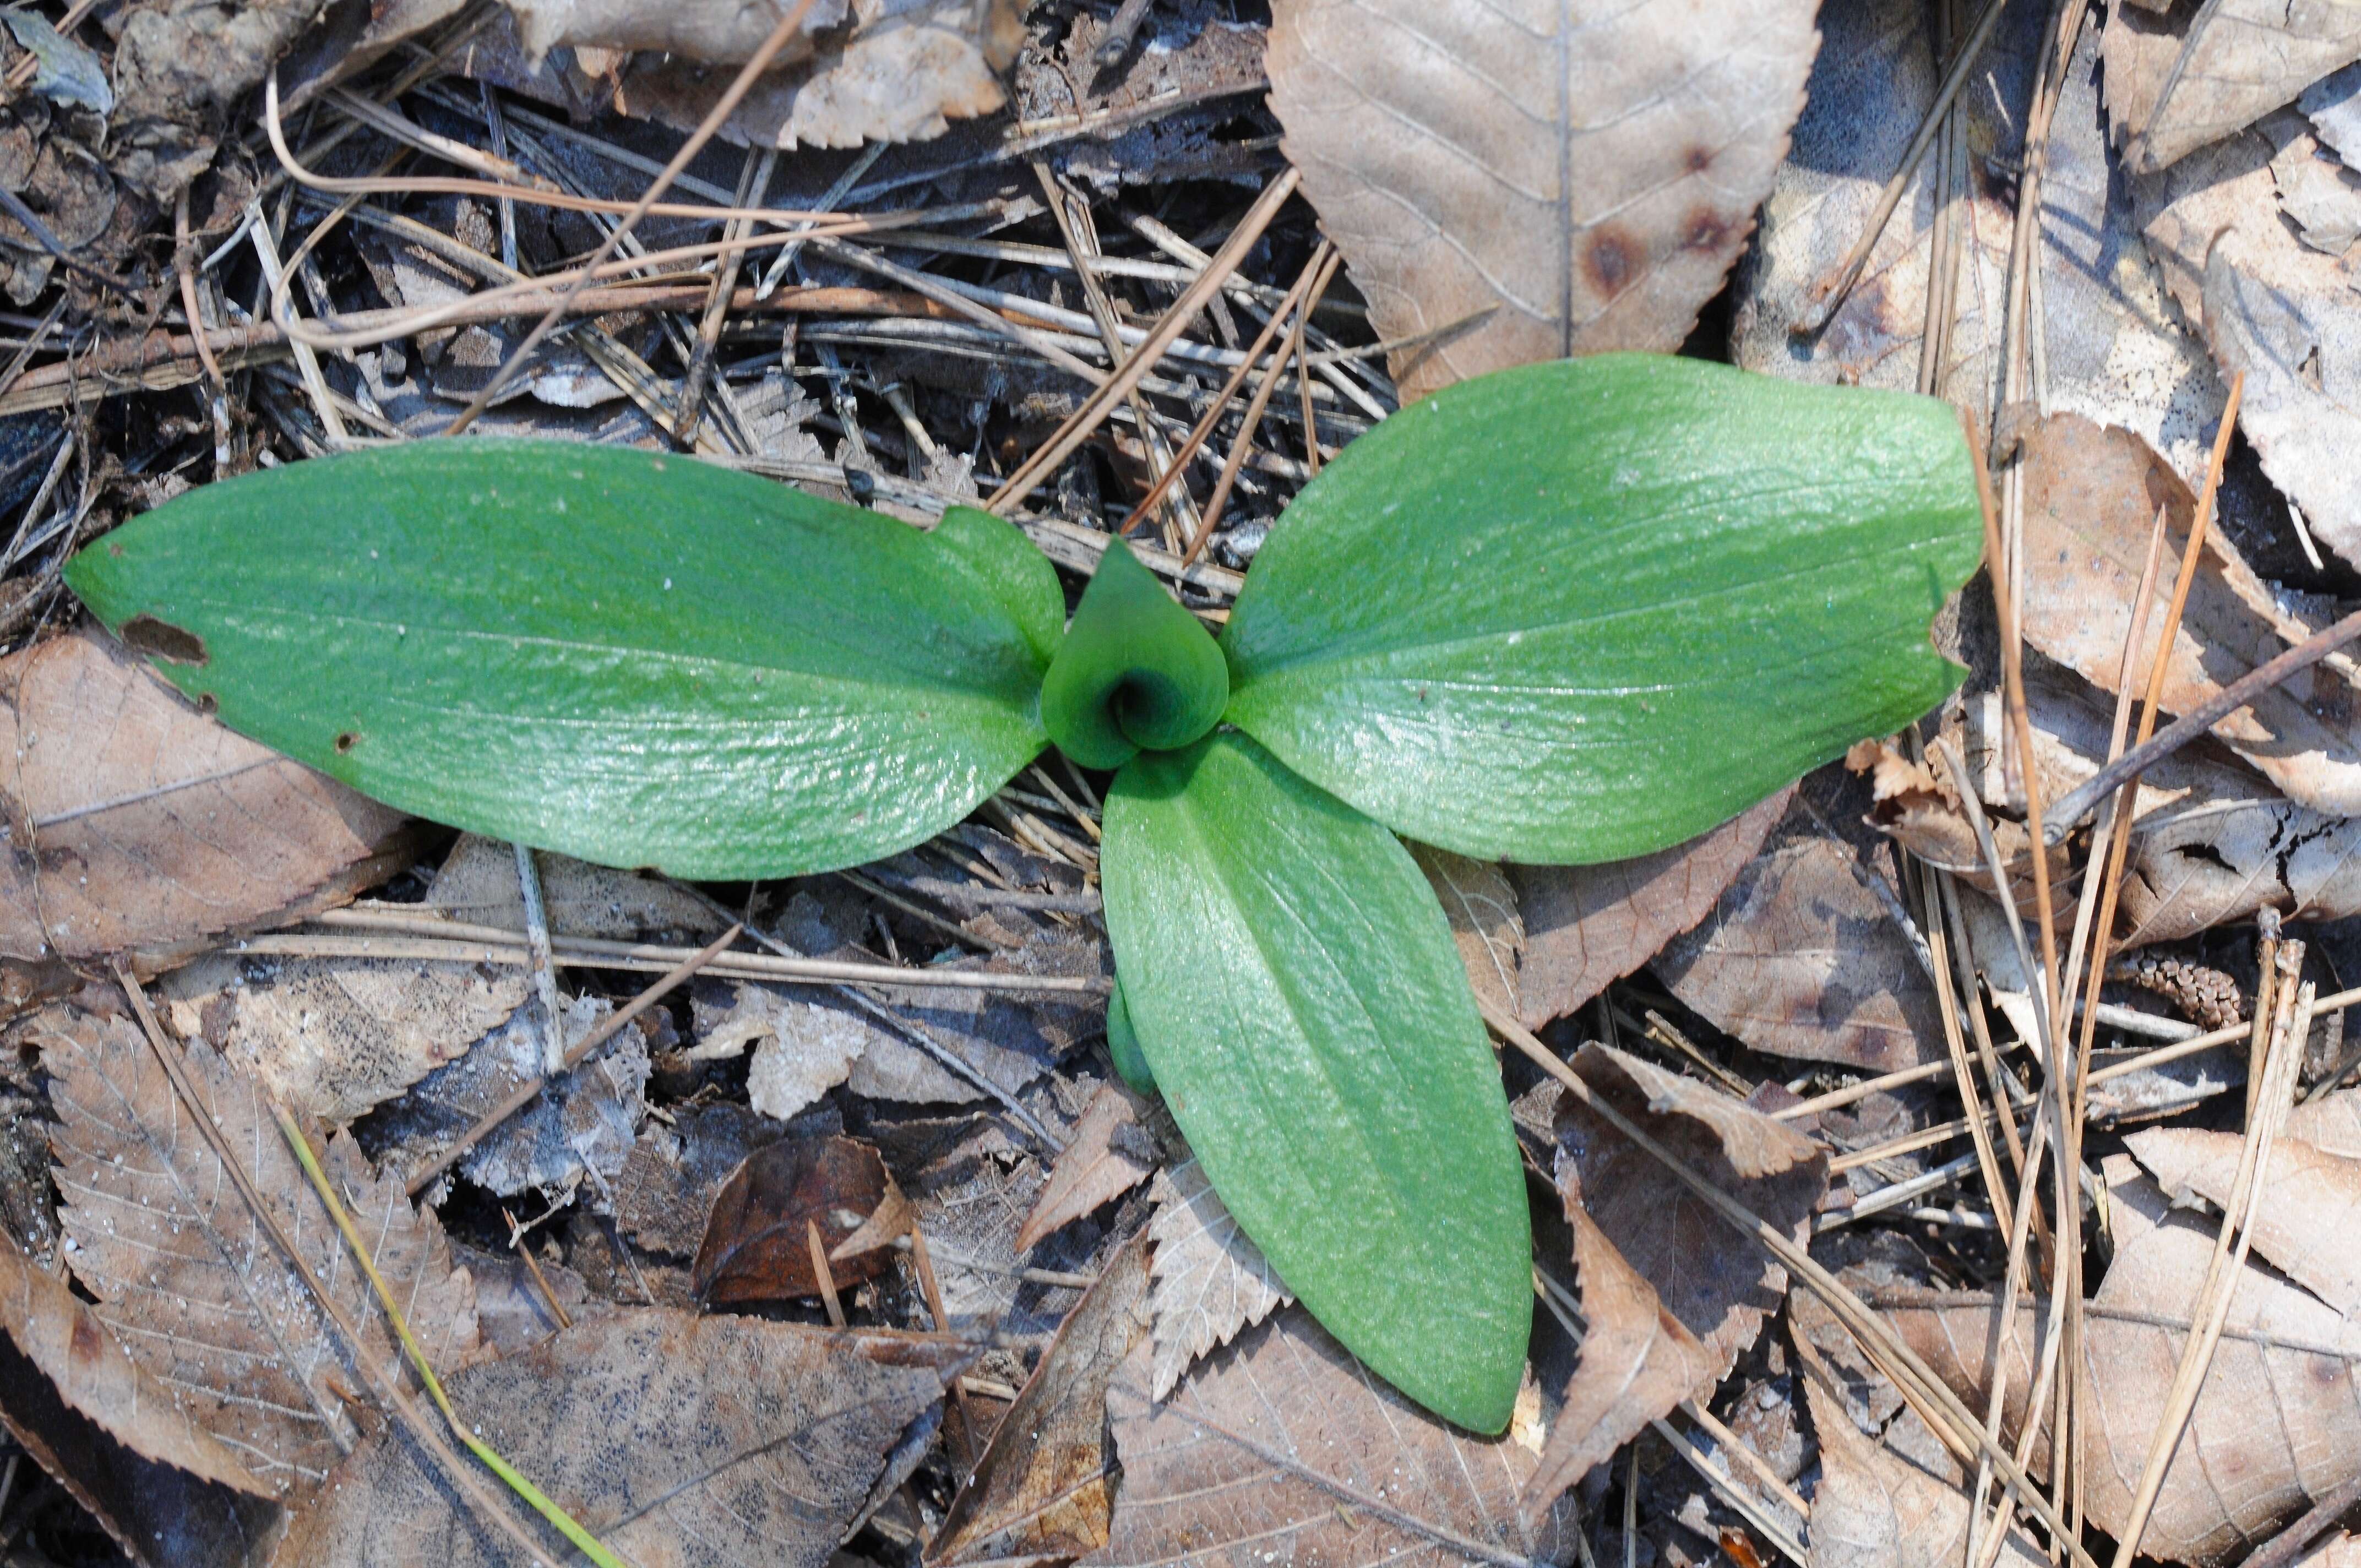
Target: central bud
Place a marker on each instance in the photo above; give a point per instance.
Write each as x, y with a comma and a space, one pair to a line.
1136, 671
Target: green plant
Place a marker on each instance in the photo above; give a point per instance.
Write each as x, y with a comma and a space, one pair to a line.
1568, 612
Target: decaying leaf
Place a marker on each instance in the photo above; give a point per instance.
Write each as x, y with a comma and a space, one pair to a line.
332, 1038
1283, 1443
1808, 953
1717, 1291
1211, 1280
2091, 498
1587, 925
191, 1285
2179, 80
757, 1246
61, 1336
677, 1440
1107, 1156
712, 35
1637, 1361
2311, 1206
136, 822
2333, 104
803, 1046
2276, 1424
1041, 1489
668, 1181
477, 885
179, 68
1485, 923
2284, 313
1875, 1510
1586, 173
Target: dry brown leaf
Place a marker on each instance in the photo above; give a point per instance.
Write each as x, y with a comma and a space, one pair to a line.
1041, 1489
2115, 352
136, 823
1875, 1510
1284, 1444
2333, 104
1681, 1247
332, 1038
1211, 1281
193, 1288
61, 1336
2311, 1206
1485, 921
2091, 498
1637, 1361
1586, 173
2178, 82
477, 885
724, 34
757, 1245
677, 1440
803, 1047
2277, 1421
1108, 1154
902, 70
665, 1188
2287, 316
1807, 953
1588, 926
2339, 1551
2332, 1123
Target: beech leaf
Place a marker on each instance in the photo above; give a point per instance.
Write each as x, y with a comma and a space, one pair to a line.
1210, 1280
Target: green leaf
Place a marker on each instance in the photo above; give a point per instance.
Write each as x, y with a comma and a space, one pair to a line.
1122, 1045
1580, 610
1295, 988
1135, 669
631, 658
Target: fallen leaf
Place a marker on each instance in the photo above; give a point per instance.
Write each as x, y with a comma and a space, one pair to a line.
2115, 352
179, 71
969, 1199
2333, 105
2332, 1123
1717, 1291
584, 1122
803, 1046
2284, 314
61, 1336
2091, 498
2339, 1551
1042, 1488
477, 885
513, 1312
2177, 82
1284, 1443
2310, 1211
1486, 922
674, 1439
332, 1038
715, 35
1637, 1361
136, 822
1586, 173
1875, 1510
1806, 954
1211, 1281
757, 1245
2276, 1425
1107, 1154
666, 1187
195, 1288
1586, 926
2318, 194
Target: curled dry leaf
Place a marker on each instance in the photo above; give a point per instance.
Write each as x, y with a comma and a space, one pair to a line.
1283, 1443
2284, 313
193, 1287
2092, 494
1211, 1281
757, 1245
1717, 1290
1586, 174
133, 822
2113, 351
1875, 1510
1586, 926
1041, 1489
2311, 1206
332, 1038
677, 1440
61, 1336
2277, 1423
1921, 810
1808, 953
2178, 80
1107, 1156
1485, 923
1637, 1361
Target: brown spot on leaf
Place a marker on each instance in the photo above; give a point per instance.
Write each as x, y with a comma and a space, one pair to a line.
1699, 159
88, 1339
345, 741
1706, 229
163, 640
1611, 260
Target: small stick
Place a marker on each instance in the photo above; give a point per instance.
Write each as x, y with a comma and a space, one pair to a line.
827, 1277
532, 1265
1121, 29
1261, 400
544, 967
571, 1057
934, 1293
